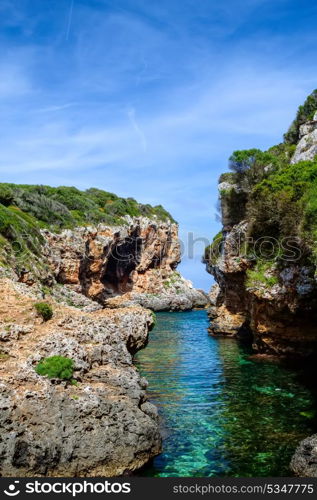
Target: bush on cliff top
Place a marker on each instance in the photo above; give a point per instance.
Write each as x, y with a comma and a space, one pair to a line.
305, 112
56, 367
251, 166
280, 198
285, 204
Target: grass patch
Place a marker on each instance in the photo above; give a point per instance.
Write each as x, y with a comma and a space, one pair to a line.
259, 276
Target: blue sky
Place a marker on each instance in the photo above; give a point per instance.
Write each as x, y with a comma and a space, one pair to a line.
149, 99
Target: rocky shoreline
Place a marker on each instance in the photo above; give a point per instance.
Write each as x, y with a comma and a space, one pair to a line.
304, 461
264, 258
101, 426
95, 280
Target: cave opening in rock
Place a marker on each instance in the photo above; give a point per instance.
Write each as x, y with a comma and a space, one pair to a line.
122, 261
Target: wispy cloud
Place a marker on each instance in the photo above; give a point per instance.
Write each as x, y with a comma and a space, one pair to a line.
137, 128
70, 17
57, 107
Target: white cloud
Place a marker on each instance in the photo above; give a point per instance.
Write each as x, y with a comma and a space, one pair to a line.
137, 128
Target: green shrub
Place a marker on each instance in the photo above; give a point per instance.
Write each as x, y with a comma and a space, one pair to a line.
227, 177
43, 208
56, 367
284, 204
276, 197
100, 197
4, 357
304, 113
250, 166
20, 231
6, 195
241, 161
44, 310
283, 153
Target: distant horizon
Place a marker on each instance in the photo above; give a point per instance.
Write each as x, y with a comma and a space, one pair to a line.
149, 100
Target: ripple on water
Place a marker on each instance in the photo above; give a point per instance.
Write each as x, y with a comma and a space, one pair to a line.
222, 414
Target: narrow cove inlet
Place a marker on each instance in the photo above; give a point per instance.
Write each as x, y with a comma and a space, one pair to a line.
222, 413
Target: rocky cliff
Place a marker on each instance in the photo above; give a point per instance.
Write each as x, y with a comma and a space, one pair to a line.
307, 146
100, 424
263, 260
90, 260
95, 244
131, 264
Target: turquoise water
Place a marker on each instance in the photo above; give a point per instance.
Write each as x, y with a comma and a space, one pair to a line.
222, 414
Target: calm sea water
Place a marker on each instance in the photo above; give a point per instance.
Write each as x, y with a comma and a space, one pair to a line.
221, 413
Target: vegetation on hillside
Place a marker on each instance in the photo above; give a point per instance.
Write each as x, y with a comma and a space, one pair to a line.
285, 203
20, 239
280, 197
26, 209
213, 251
67, 207
261, 274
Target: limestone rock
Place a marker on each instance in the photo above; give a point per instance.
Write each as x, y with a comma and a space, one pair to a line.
306, 149
304, 461
278, 317
135, 264
103, 425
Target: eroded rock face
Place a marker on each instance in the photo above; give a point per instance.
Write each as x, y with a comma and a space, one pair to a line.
96, 279
104, 425
304, 461
279, 316
272, 304
136, 262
